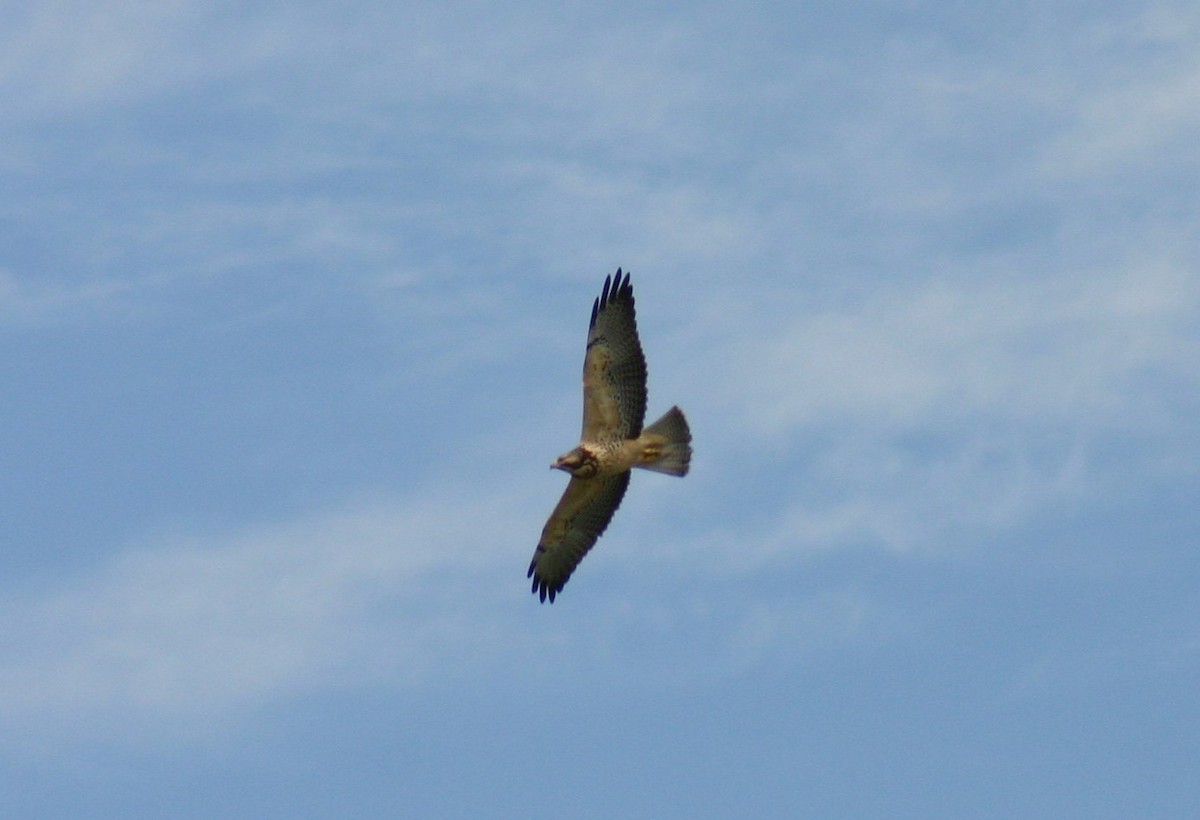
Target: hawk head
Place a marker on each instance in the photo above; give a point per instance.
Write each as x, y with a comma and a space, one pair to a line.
580, 463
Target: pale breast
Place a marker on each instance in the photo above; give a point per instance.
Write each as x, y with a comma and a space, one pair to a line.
615, 457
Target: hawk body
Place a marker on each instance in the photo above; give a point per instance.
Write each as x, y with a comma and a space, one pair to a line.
612, 442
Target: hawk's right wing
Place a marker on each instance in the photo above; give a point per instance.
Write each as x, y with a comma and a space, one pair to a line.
614, 368
581, 516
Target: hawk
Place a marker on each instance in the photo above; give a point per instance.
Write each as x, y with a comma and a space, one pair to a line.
612, 443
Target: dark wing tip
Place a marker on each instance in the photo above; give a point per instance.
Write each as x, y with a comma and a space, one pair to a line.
615, 290
543, 590
540, 587
623, 292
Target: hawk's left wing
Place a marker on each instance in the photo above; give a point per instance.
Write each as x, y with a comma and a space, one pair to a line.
581, 516
614, 368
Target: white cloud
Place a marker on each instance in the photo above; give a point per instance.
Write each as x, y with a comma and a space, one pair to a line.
62, 56
1061, 351
779, 630
26, 303
925, 416
598, 218
1151, 120
184, 631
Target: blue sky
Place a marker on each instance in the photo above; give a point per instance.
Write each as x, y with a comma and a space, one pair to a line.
292, 307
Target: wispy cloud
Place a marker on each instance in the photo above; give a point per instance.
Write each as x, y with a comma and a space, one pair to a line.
64, 57
912, 417
1145, 114
1061, 351
186, 630
25, 303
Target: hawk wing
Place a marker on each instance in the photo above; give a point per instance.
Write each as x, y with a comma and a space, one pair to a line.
582, 514
614, 368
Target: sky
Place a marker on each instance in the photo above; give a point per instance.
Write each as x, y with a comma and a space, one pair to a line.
293, 301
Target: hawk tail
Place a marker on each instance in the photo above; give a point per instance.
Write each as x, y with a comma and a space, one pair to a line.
676, 451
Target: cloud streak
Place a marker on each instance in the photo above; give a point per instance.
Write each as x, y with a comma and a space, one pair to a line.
187, 630
915, 416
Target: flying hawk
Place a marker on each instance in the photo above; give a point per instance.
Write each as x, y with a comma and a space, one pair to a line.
613, 441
